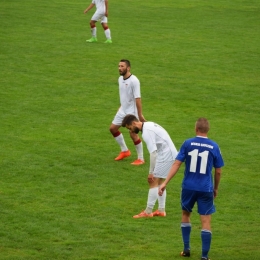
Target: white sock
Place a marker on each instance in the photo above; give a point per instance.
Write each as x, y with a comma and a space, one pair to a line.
94, 32
108, 34
152, 197
139, 150
121, 141
162, 201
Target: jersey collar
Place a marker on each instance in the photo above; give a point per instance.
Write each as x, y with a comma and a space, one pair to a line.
127, 77
202, 136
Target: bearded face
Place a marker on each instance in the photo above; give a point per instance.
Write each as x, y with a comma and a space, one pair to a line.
136, 130
122, 71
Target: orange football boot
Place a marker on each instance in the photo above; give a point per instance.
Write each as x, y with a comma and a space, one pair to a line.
138, 162
123, 155
158, 213
143, 214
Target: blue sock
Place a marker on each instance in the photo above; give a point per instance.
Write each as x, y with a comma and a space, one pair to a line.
186, 229
206, 241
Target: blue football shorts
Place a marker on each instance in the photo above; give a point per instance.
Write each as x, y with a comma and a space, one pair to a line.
204, 200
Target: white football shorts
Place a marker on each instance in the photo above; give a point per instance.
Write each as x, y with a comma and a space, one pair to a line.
118, 119
99, 16
162, 169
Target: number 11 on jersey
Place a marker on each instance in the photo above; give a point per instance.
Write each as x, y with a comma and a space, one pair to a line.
194, 160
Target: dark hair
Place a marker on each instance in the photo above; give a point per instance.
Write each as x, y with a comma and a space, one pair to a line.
128, 120
127, 62
202, 125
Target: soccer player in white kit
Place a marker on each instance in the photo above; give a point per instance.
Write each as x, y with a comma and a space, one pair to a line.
130, 101
100, 14
162, 155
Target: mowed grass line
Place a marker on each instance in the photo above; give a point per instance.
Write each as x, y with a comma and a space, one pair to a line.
62, 196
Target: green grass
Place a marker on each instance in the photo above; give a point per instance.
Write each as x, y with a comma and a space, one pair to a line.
62, 196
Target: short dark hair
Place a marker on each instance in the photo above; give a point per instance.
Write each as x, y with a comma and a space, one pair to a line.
202, 125
127, 62
128, 120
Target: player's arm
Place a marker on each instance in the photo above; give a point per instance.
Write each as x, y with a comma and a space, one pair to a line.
90, 7
217, 177
139, 109
174, 169
106, 5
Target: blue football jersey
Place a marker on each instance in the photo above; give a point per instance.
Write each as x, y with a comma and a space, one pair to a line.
200, 155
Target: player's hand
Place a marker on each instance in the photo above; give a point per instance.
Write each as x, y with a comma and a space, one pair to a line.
150, 178
161, 189
215, 193
141, 118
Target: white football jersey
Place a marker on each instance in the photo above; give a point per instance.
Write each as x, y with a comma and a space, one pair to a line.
157, 139
129, 90
100, 5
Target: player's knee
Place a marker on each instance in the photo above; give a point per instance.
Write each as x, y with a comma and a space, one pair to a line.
113, 130
105, 26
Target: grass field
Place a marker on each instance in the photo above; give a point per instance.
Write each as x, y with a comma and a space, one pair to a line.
62, 195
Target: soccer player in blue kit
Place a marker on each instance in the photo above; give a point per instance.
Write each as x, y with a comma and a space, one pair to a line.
200, 155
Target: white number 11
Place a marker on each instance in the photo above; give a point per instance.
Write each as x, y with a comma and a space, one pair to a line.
194, 159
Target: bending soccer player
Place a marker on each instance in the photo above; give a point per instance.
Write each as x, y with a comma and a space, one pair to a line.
162, 155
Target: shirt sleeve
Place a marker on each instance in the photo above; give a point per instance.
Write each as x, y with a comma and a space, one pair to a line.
150, 141
218, 162
181, 154
136, 87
